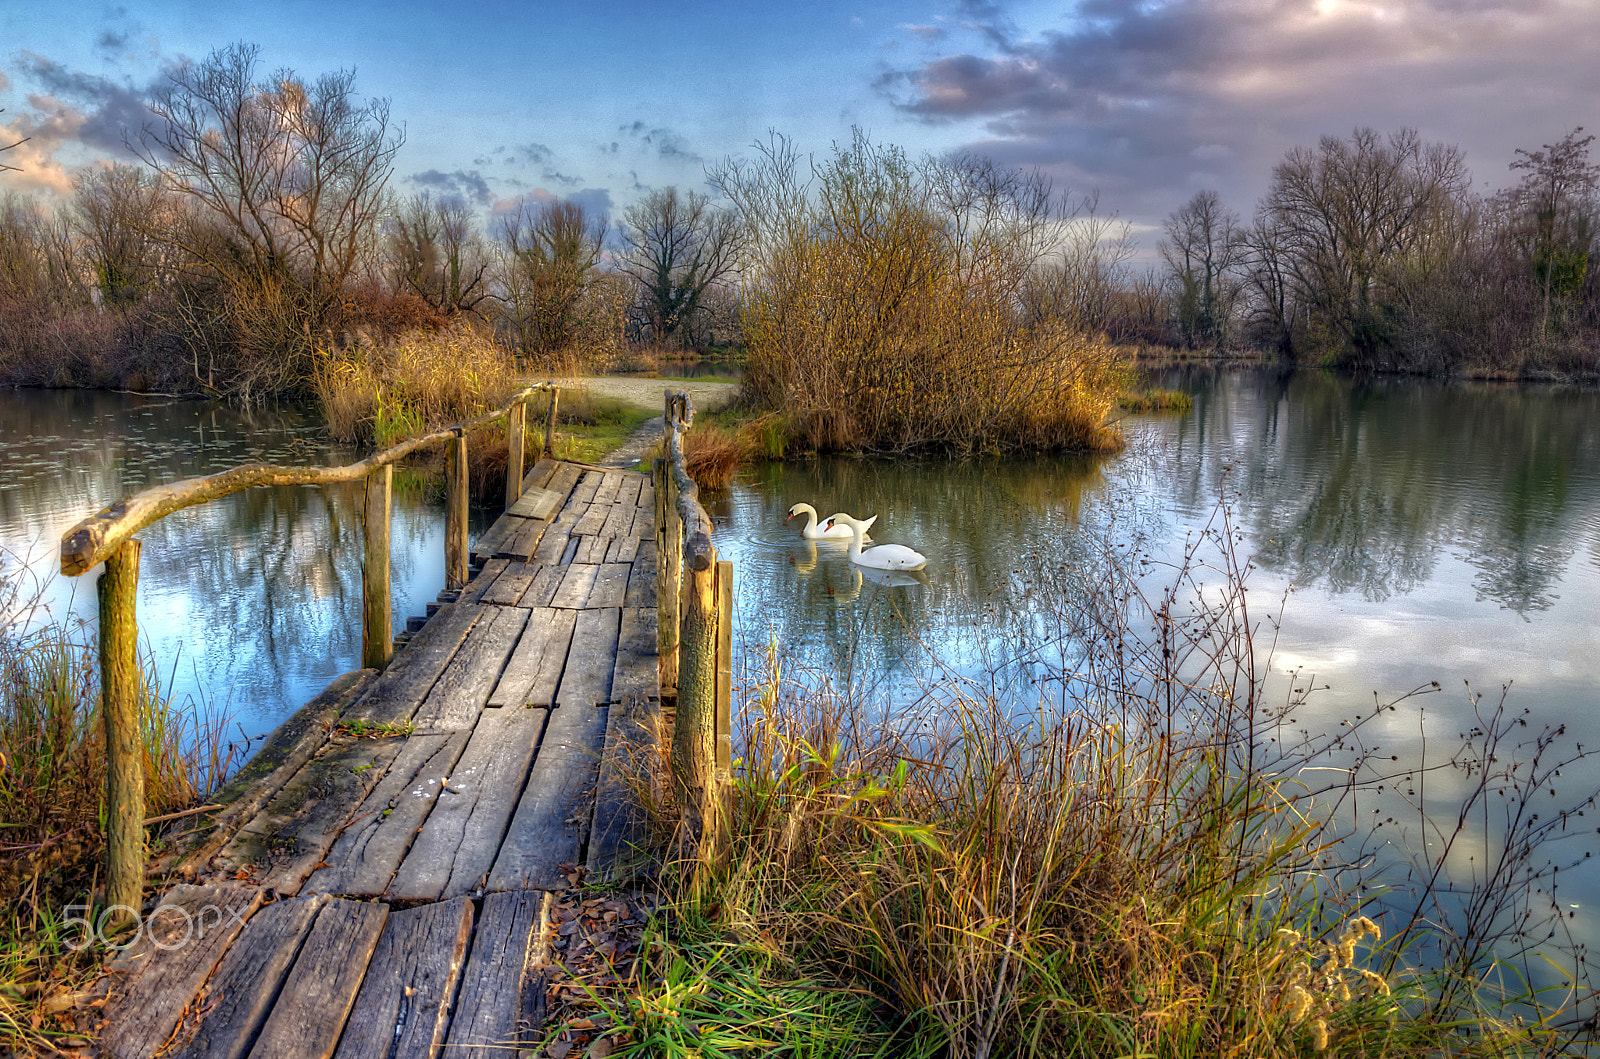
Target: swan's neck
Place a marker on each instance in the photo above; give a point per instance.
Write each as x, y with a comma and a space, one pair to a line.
811, 518
855, 542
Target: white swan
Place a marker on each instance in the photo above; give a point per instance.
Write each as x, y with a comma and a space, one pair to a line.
815, 532
882, 557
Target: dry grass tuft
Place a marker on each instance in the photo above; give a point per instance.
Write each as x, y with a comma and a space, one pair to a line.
384, 394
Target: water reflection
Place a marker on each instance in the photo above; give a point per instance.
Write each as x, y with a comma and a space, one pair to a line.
252, 602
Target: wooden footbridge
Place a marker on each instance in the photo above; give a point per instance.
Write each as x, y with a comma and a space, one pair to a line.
379, 881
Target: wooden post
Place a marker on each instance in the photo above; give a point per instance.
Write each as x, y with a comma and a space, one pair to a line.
694, 736
455, 519
121, 691
550, 423
669, 589
516, 421
724, 733
377, 627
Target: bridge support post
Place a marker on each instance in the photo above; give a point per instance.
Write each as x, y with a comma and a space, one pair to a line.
121, 689
377, 625
550, 423
694, 734
516, 425
455, 519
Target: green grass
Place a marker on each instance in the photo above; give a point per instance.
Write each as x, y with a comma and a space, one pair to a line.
1155, 401
1127, 874
52, 784
593, 427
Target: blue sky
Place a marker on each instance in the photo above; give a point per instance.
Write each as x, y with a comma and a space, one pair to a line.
1146, 100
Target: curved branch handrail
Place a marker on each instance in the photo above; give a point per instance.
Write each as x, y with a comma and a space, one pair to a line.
90, 541
697, 524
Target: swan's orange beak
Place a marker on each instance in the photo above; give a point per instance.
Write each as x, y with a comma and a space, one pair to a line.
789, 516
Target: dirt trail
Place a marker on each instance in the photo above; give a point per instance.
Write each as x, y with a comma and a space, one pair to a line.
647, 393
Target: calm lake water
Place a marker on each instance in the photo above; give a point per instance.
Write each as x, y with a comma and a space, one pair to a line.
249, 604
1428, 531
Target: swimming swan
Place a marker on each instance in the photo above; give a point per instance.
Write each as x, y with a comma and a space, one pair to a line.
882, 557
815, 532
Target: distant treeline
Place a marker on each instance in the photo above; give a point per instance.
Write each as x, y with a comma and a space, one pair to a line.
259, 231
1375, 252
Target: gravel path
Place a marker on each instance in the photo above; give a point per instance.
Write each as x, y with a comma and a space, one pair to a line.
647, 393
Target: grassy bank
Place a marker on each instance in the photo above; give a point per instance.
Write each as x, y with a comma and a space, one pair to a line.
52, 804
1154, 862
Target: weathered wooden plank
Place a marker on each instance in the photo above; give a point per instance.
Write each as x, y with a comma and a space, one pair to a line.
505, 527
583, 492
536, 503
619, 520
158, 976
237, 998
545, 584
486, 1012
586, 680
369, 850
285, 752
463, 688
571, 553
395, 695
628, 491
643, 578
457, 845
286, 841
483, 581
404, 1004
618, 841
508, 589
575, 587
310, 1011
554, 542
553, 816
592, 518
541, 474
622, 550
634, 676
534, 671
591, 550
610, 585
647, 493
606, 493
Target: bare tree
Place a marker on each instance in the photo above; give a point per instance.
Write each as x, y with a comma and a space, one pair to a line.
550, 252
115, 212
288, 177
1080, 282
1557, 206
1343, 213
1202, 249
676, 245
436, 253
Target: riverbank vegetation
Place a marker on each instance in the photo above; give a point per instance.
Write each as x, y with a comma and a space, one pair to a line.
880, 302
883, 306
1155, 860
52, 801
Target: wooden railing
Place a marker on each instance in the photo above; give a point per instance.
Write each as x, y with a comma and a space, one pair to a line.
109, 537
695, 630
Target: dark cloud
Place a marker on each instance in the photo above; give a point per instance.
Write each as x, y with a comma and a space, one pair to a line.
98, 112
668, 144
1149, 101
464, 184
535, 153
561, 178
